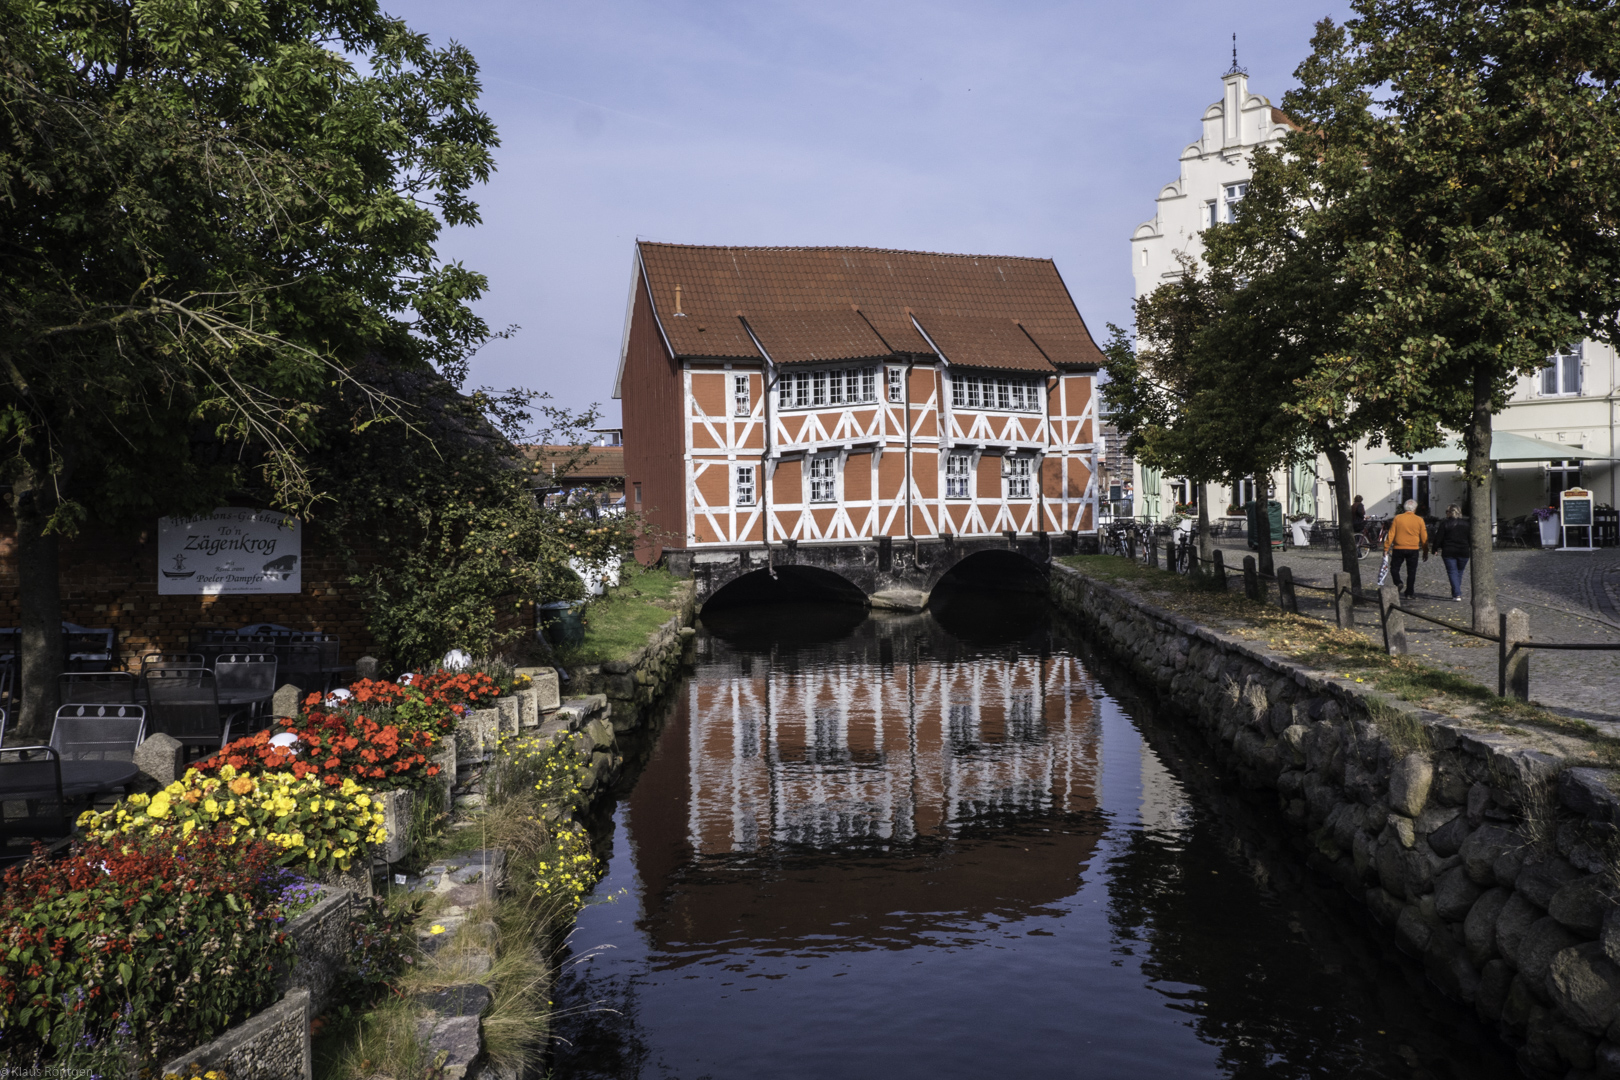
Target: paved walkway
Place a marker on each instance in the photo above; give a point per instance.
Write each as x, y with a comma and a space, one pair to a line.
1569, 596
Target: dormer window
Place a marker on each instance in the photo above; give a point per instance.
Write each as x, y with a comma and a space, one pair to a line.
1002, 394
813, 389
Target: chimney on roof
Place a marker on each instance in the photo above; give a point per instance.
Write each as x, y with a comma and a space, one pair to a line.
678, 310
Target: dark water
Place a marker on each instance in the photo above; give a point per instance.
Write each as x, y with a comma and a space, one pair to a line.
955, 845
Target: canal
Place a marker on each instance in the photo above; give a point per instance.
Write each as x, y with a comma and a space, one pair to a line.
956, 844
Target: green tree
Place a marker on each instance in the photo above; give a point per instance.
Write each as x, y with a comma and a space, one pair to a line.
210, 213
1484, 225
441, 522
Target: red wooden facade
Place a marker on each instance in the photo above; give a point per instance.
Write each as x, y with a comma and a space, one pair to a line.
838, 394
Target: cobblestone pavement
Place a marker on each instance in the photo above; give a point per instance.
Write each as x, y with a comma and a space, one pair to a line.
1569, 596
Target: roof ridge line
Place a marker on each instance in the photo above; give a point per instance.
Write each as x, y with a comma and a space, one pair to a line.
842, 247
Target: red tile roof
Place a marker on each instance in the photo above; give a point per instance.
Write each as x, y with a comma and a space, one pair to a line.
842, 303
594, 464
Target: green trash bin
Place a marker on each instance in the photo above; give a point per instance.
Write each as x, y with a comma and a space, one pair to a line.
562, 622
1274, 514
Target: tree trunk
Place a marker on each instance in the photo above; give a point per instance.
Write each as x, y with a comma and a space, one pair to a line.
1482, 563
1339, 462
40, 596
1206, 543
1262, 550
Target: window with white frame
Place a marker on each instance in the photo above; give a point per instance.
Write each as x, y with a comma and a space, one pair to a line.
1008, 394
956, 476
1212, 212
1018, 477
814, 389
897, 390
1562, 375
1415, 483
821, 479
745, 485
1233, 195
1243, 491
740, 404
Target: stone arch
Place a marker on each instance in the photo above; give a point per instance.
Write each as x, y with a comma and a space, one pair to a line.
783, 583
1004, 568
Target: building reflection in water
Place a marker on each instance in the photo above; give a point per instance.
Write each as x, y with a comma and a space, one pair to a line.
880, 748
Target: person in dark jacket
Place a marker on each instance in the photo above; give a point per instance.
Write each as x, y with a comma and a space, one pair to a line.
1450, 541
1358, 516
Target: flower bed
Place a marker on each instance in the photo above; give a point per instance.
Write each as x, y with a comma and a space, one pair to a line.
139, 946
312, 824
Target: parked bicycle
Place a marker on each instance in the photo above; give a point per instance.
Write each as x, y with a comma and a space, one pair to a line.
1371, 536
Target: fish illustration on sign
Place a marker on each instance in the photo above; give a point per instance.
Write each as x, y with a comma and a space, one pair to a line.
281, 569
179, 570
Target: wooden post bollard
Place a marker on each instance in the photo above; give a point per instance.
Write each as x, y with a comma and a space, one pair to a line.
1389, 610
1285, 590
1153, 551
1512, 662
1344, 601
1251, 578
1130, 546
1218, 570
1191, 559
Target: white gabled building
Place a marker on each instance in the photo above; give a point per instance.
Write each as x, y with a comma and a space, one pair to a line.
1214, 176
1573, 403
1215, 173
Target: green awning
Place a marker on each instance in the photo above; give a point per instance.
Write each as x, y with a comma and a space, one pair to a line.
1505, 446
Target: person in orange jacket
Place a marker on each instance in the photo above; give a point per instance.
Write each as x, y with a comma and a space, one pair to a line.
1408, 538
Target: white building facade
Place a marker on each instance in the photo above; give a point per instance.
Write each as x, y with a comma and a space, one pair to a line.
1214, 177
1574, 401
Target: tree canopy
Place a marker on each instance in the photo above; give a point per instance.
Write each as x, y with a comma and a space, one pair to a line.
1478, 194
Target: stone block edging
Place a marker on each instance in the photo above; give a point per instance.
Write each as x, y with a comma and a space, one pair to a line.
270, 1045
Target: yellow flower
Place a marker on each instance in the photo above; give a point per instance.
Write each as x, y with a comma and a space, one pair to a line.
435, 929
211, 806
159, 806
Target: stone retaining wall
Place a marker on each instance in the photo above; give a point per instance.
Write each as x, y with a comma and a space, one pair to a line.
632, 684
1484, 853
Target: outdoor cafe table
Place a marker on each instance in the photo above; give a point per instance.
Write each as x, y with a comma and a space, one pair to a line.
80, 779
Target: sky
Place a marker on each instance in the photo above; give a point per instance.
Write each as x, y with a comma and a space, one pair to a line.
1027, 127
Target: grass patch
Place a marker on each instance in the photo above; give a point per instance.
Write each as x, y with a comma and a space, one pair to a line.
1348, 654
619, 623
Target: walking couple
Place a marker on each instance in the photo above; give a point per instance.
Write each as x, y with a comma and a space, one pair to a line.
1409, 538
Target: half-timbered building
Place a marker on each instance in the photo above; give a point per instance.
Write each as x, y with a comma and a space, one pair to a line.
845, 394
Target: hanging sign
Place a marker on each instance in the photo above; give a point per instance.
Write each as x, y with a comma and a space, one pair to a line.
1575, 512
232, 550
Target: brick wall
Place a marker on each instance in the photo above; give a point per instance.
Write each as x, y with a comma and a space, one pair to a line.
112, 581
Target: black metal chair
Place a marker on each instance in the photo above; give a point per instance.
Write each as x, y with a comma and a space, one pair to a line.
301, 665
172, 660
31, 776
183, 703
246, 683
89, 648
98, 732
97, 687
